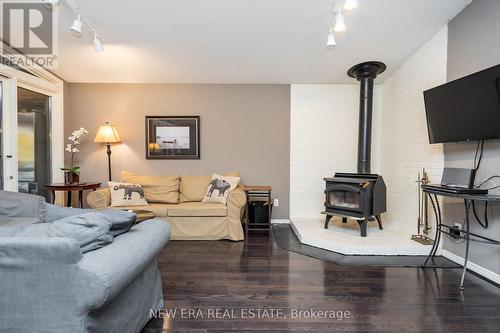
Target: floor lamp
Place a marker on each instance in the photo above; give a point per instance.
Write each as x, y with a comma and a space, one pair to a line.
107, 134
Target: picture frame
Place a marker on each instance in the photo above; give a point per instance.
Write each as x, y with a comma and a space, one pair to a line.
173, 137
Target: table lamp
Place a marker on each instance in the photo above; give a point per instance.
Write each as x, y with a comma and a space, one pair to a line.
153, 148
107, 134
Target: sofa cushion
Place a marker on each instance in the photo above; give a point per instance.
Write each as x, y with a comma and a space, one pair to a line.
196, 209
126, 194
162, 189
193, 188
91, 230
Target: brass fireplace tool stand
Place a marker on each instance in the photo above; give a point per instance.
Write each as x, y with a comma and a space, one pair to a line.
423, 212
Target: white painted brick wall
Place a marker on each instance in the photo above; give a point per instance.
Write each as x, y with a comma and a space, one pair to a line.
404, 148
324, 125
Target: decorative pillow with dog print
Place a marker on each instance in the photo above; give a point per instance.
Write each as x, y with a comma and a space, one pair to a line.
219, 188
126, 194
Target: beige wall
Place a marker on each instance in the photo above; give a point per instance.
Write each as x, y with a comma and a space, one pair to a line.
244, 128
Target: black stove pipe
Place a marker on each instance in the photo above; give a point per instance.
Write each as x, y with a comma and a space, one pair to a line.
366, 73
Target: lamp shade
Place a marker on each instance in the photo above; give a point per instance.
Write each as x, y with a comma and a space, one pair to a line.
154, 146
107, 133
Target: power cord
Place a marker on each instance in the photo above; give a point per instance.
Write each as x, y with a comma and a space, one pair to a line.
478, 157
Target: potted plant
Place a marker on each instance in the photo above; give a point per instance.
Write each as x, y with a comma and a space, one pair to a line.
72, 174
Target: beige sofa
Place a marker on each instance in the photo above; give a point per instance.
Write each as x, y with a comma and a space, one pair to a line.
178, 201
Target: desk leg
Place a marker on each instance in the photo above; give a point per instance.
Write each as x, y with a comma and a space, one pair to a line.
439, 222
438, 230
467, 238
68, 203
53, 197
80, 199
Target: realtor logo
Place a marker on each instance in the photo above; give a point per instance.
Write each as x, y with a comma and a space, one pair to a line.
29, 32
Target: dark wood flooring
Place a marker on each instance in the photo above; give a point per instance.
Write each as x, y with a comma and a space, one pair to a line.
259, 276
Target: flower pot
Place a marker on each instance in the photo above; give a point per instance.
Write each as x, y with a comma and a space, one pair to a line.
71, 178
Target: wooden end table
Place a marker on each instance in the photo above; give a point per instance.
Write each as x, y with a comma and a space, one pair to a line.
142, 215
68, 188
258, 193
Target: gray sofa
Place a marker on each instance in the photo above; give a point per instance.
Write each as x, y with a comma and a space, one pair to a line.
48, 284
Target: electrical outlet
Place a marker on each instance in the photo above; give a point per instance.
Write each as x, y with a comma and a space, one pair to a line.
276, 202
455, 230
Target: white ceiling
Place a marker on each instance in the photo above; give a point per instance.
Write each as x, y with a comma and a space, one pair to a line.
242, 41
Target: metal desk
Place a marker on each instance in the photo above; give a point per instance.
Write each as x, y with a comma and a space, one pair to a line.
464, 233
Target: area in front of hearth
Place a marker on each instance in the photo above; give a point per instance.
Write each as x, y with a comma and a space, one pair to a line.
345, 238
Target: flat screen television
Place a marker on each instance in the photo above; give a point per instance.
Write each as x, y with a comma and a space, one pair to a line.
465, 109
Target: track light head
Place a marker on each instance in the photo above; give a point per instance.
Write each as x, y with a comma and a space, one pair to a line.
76, 27
350, 4
339, 21
97, 43
330, 42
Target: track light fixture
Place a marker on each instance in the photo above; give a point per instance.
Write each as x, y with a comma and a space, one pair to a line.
331, 38
339, 22
97, 43
350, 4
76, 27
79, 23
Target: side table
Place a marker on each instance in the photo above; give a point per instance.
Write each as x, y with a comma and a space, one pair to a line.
141, 214
68, 188
258, 193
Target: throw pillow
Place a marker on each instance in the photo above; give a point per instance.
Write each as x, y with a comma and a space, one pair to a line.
91, 230
219, 188
126, 194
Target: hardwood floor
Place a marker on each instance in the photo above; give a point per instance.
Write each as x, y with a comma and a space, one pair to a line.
258, 276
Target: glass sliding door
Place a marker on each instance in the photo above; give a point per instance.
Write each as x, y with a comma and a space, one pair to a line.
33, 141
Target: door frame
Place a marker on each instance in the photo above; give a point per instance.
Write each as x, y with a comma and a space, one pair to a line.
43, 82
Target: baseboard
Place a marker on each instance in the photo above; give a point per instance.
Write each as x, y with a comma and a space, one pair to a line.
279, 221
486, 273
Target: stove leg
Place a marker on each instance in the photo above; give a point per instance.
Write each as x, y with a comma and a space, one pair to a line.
344, 220
327, 220
379, 220
362, 227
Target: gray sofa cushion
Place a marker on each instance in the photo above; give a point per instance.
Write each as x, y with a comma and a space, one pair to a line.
13, 204
121, 220
90, 230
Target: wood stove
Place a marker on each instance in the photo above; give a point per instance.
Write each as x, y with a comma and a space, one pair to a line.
360, 195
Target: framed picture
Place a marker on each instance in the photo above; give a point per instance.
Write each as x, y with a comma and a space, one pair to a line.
173, 137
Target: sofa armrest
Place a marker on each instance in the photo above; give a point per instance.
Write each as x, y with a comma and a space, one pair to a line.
236, 200
41, 278
13, 204
119, 263
99, 199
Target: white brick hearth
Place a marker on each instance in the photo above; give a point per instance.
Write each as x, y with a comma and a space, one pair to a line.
344, 238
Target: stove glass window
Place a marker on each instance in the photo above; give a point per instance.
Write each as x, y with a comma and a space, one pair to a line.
344, 199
